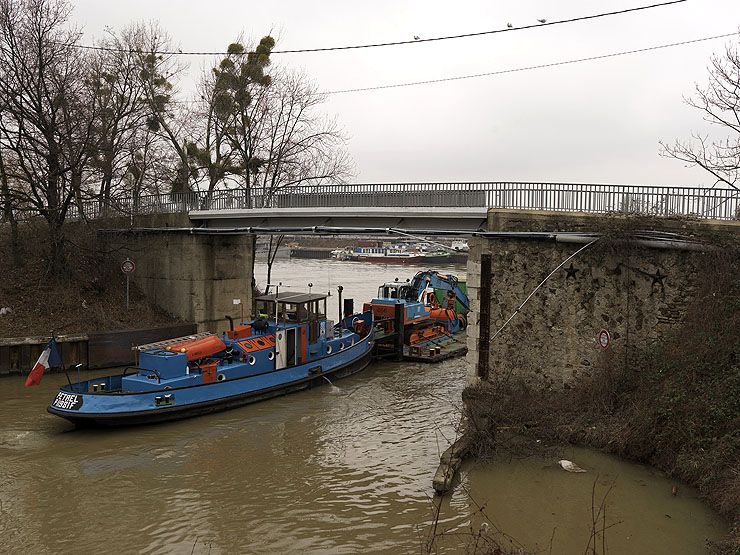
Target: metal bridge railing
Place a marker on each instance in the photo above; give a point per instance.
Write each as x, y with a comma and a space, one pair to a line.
696, 202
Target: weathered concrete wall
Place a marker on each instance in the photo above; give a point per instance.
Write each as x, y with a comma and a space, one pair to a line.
194, 277
635, 292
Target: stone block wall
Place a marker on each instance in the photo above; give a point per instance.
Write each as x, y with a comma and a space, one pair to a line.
633, 291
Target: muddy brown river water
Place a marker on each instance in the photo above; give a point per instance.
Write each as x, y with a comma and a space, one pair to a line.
345, 468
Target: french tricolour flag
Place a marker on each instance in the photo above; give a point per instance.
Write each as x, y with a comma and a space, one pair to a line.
49, 359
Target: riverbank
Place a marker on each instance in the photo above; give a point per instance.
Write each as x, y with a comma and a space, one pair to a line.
675, 407
90, 296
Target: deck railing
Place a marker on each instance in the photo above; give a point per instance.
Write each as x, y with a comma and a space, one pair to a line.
696, 202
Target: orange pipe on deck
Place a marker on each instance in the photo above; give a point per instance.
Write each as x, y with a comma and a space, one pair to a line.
200, 348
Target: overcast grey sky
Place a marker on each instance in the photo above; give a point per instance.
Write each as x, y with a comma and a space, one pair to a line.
596, 121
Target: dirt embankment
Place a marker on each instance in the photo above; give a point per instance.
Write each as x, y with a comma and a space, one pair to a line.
676, 407
91, 295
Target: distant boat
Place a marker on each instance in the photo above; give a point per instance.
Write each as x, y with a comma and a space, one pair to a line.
386, 255
460, 246
400, 255
295, 347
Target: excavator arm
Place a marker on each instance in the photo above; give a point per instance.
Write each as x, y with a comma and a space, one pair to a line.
446, 286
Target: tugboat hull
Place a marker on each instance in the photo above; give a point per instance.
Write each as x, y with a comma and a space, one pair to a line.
134, 408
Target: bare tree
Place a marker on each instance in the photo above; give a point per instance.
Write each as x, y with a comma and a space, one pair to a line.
45, 126
300, 146
121, 114
227, 96
297, 147
158, 72
8, 213
719, 102
148, 164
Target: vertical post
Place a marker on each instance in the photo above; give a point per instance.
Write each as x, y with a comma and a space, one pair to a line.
127, 290
277, 293
398, 327
484, 317
340, 289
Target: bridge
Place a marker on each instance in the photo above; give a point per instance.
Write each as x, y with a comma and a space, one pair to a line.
423, 206
195, 253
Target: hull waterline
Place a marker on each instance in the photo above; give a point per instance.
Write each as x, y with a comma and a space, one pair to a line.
178, 412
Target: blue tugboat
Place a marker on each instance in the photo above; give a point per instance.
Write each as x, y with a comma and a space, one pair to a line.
290, 346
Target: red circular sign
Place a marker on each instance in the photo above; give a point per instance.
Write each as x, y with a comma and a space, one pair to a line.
604, 339
128, 266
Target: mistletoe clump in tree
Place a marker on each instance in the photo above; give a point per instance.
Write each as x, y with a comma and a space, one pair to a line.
227, 147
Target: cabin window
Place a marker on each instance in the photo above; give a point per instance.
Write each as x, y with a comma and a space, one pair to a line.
317, 308
251, 360
289, 312
265, 308
302, 313
328, 349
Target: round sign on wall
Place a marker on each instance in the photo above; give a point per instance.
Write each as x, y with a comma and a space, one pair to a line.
128, 266
604, 339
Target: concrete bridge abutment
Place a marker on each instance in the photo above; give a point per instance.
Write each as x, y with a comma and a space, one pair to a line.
193, 277
621, 291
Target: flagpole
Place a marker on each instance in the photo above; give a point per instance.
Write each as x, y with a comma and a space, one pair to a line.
66, 373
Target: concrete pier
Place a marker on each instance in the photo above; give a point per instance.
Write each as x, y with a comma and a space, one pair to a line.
194, 277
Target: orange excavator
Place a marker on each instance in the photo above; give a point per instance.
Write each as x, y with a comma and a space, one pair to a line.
434, 308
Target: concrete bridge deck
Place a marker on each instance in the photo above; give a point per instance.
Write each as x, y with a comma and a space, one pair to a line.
421, 217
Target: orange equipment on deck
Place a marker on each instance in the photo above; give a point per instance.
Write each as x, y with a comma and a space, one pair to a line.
239, 332
199, 348
443, 314
388, 311
427, 334
257, 343
208, 372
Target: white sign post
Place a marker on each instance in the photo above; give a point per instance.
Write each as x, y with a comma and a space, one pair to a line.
128, 267
241, 309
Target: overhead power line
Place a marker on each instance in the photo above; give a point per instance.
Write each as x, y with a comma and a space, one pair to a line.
401, 42
528, 68
481, 33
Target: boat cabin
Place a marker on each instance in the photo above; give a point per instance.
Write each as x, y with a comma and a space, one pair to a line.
290, 308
